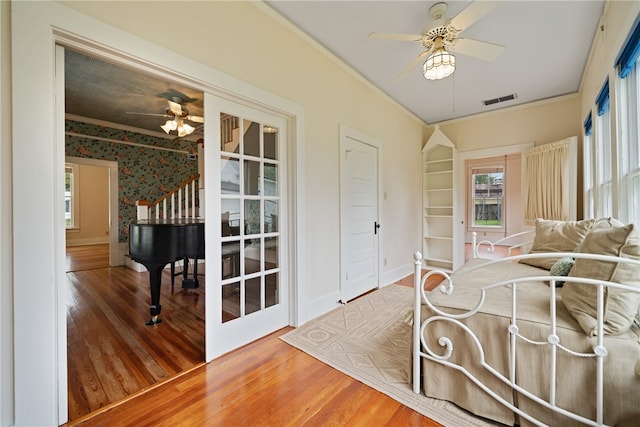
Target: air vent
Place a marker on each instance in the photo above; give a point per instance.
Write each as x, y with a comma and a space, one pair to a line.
505, 98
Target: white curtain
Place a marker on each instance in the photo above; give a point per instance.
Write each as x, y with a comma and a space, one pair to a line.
549, 180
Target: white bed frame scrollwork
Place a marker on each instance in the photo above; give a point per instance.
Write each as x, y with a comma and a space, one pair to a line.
421, 349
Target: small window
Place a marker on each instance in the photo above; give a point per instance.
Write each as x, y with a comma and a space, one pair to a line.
71, 177
487, 199
486, 194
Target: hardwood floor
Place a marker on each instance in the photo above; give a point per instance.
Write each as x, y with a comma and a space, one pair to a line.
87, 257
267, 382
111, 353
122, 372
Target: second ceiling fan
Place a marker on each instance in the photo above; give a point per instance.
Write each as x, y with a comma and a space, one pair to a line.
177, 115
442, 36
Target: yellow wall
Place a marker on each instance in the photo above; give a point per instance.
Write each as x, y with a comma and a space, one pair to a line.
246, 40
6, 232
538, 123
541, 122
242, 40
619, 16
93, 212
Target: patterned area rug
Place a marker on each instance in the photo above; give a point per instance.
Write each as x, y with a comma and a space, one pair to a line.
368, 340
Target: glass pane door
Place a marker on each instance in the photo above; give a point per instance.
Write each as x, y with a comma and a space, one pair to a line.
250, 205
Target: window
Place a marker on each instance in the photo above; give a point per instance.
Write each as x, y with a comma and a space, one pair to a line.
486, 181
589, 191
629, 127
603, 154
628, 152
71, 178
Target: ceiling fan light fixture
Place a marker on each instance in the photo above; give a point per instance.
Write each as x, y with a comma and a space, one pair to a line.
439, 64
169, 126
185, 129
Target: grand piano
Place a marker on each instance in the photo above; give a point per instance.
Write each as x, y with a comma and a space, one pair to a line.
155, 243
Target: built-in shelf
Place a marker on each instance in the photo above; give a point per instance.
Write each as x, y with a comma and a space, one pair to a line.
438, 157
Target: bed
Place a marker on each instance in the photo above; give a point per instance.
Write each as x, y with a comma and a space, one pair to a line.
546, 337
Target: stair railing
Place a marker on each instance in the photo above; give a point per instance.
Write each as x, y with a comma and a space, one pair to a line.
177, 203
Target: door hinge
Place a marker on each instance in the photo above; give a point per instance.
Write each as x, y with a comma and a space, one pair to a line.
376, 226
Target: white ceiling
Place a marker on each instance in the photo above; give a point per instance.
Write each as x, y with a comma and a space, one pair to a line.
547, 46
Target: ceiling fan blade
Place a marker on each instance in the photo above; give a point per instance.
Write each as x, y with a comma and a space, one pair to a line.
477, 49
149, 114
471, 14
175, 108
396, 36
412, 65
197, 119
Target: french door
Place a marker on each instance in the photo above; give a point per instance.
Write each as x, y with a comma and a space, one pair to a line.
247, 225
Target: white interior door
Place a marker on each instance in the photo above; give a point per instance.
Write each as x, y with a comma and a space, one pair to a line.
359, 208
246, 233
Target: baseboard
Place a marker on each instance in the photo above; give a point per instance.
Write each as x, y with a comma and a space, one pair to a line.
398, 273
88, 241
320, 306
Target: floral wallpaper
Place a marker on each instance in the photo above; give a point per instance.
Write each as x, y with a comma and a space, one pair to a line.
144, 171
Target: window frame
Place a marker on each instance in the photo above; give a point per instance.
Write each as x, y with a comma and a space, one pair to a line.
488, 163
73, 196
628, 158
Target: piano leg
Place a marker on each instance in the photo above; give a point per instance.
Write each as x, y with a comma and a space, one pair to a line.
155, 277
190, 283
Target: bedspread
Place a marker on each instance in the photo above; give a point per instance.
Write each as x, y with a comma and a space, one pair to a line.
533, 368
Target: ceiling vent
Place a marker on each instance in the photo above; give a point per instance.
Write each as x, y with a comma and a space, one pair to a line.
505, 98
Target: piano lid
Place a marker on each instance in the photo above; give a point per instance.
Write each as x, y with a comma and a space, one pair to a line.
169, 221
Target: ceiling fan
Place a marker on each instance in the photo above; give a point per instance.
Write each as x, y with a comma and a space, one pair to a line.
442, 36
177, 115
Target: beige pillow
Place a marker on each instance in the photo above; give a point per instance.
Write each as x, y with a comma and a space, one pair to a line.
557, 236
620, 306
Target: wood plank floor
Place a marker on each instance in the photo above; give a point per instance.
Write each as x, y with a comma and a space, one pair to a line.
267, 383
122, 372
111, 353
87, 257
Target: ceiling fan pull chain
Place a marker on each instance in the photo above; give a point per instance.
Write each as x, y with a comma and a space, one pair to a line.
453, 92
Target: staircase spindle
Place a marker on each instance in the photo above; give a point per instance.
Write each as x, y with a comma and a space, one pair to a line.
186, 201
193, 196
172, 208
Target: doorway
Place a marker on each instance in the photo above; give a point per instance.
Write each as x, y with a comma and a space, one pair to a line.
40, 350
486, 162
111, 353
95, 209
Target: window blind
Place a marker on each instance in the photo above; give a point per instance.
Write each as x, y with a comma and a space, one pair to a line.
602, 101
588, 125
630, 51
